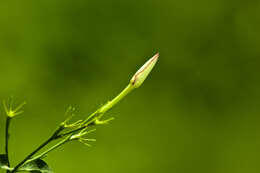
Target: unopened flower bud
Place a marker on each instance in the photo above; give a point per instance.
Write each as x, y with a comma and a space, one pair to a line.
144, 71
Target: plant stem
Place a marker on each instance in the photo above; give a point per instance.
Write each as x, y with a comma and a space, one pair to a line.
53, 137
71, 132
56, 135
86, 123
113, 102
109, 104
50, 149
7, 125
100, 111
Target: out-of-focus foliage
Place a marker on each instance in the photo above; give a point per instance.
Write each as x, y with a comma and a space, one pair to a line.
197, 112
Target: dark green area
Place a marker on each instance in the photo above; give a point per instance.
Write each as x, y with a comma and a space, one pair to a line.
197, 112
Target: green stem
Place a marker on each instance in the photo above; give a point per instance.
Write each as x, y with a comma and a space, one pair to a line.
53, 137
50, 149
119, 97
86, 123
72, 131
100, 111
7, 125
109, 104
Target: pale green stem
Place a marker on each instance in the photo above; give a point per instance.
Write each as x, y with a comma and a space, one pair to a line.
113, 102
109, 104
50, 149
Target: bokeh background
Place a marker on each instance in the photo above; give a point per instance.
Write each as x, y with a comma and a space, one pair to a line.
197, 112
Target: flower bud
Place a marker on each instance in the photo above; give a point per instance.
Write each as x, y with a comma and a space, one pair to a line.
144, 71
135, 82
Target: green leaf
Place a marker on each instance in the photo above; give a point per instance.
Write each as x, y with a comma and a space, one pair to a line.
3, 161
36, 166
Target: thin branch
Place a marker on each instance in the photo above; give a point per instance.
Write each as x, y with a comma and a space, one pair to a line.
62, 142
53, 137
7, 125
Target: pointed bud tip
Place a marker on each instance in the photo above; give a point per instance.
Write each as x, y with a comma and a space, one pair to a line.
156, 56
144, 71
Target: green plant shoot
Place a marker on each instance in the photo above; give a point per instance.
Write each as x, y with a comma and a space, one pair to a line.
66, 131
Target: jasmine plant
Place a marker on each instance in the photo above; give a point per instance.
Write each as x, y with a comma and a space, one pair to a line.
66, 131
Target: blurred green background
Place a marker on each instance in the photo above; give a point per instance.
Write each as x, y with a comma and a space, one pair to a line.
197, 112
